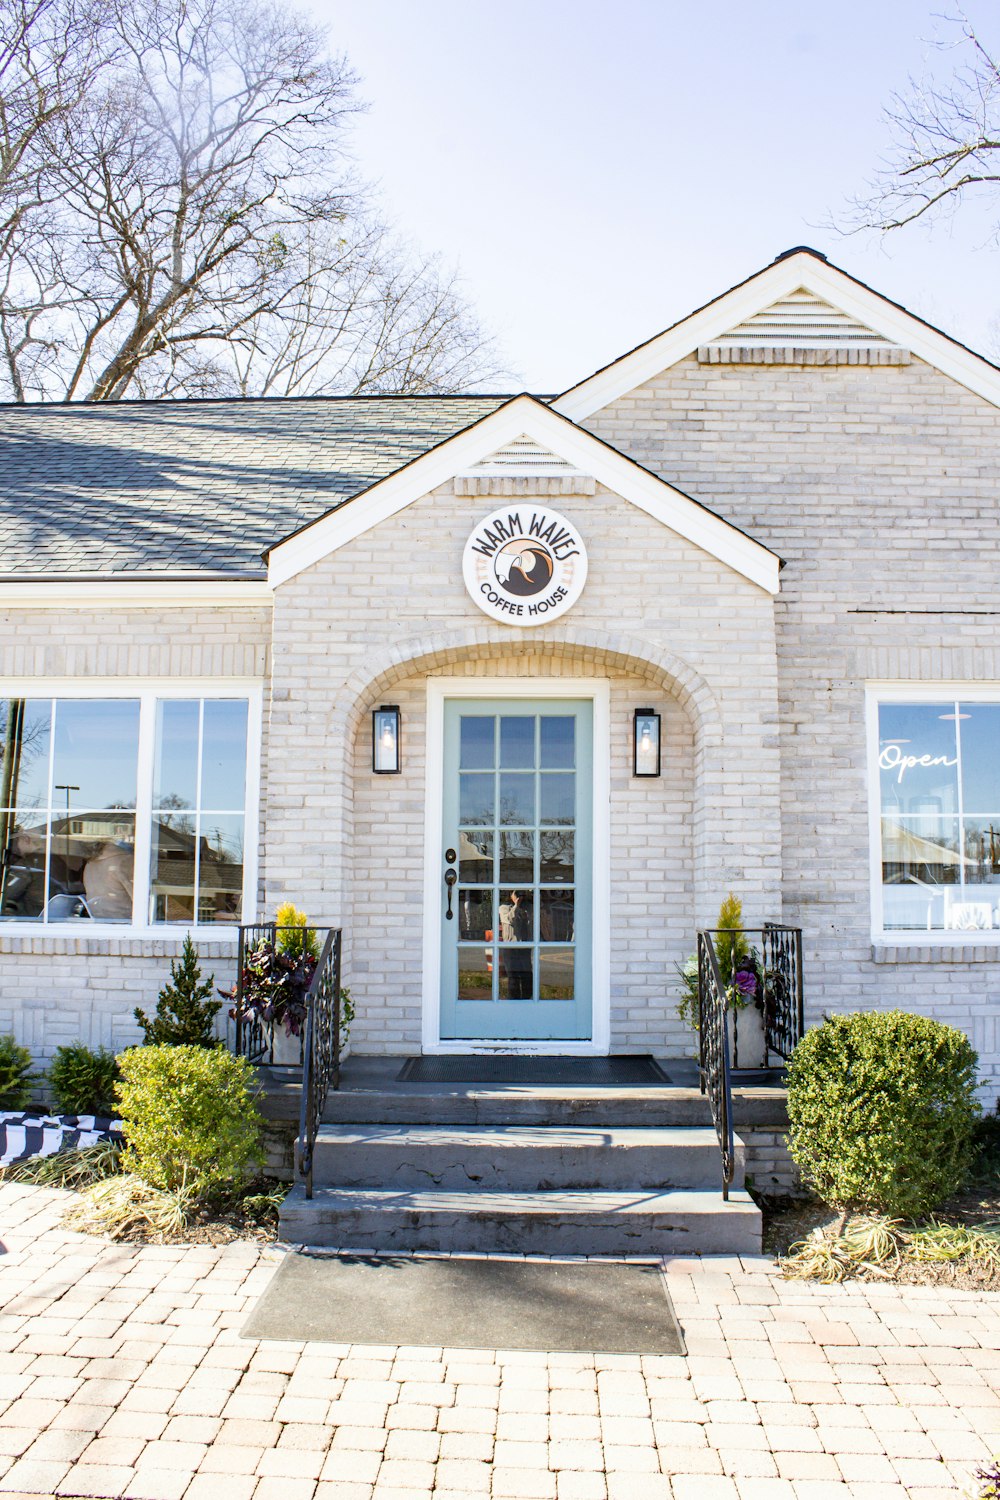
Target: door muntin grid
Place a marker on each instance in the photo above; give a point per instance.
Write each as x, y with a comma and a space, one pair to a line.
523, 790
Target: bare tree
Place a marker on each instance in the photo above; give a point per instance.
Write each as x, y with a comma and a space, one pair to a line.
946, 142
196, 227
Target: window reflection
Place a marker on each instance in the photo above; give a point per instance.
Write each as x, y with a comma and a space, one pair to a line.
939, 776
68, 788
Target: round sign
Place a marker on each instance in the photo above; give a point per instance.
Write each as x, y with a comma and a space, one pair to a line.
525, 564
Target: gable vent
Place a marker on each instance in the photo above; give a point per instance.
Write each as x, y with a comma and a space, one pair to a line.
802, 329
523, 456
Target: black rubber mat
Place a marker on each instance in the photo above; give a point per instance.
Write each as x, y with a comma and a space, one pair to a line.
558, 1072
466, 1303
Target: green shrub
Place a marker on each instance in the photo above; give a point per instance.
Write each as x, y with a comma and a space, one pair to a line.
185, 1012
882, 1108
83, 1082
189, 1117
17, 1081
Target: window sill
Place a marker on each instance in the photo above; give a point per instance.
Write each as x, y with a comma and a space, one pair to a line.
110, 938
983, 948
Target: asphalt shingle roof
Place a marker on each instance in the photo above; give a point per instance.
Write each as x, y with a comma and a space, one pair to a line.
196, 487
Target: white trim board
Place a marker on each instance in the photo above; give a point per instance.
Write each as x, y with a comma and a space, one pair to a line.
803, 270
439, 689
525, 416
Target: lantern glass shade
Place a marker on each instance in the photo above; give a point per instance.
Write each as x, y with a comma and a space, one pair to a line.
385, 740
646, 743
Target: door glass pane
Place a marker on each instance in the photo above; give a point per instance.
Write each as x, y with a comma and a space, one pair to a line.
517, 973
475, 973
95, 750
175, 768
475, 915
555, 974
25, 726
558, 737
475, 856
517, 858
517, 915
980, 731
558, 798
517, 742
224, 754
517, 798
476, 799
557, 856
477, 739
555, 916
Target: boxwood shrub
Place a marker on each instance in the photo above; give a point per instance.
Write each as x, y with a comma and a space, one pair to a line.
189, 1118
882, 1108
82, 1082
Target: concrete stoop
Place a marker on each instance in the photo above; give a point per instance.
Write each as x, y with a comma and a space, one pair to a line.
528, 1182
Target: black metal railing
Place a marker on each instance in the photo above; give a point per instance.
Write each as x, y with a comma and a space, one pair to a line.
713, 1044
254, 1037
759, 976
320, 1051
781, 953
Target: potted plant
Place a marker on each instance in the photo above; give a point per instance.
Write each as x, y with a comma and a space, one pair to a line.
743, 980
276, 979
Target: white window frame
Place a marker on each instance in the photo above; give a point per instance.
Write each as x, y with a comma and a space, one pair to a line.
147, 691
895, 692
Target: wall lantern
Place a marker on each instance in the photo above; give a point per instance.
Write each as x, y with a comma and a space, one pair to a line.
646, 743
385, 740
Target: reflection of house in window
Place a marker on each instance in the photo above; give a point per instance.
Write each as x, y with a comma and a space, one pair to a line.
212, 865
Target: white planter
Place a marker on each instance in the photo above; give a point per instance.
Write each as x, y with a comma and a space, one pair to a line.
748, 1025
287, 1049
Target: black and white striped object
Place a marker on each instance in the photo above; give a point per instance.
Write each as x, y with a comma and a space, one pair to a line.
23, 1135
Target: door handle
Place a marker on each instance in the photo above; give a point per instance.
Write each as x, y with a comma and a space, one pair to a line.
450, 878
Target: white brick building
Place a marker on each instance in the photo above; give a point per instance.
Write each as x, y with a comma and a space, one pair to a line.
789, 511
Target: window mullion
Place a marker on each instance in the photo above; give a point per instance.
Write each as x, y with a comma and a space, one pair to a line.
141, 915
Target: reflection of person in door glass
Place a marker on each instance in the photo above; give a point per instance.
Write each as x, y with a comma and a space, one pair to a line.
518, 929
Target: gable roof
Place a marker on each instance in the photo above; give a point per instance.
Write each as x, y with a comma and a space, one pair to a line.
520, 418
801, 269
194, 489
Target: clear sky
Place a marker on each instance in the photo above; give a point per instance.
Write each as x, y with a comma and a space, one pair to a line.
598, 168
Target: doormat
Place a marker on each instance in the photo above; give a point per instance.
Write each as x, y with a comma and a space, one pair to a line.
468, 1303
559, 1072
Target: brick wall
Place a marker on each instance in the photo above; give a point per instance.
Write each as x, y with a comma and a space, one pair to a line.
878, 488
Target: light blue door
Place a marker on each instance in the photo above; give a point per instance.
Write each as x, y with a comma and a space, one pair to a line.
516, 916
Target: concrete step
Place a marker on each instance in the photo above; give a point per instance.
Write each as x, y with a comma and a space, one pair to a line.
519, 1158
540, 1223
469, 1105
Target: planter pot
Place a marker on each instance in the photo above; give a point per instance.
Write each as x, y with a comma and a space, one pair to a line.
746, 1040
287, 1049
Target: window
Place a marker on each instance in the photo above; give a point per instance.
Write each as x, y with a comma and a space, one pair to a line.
129, 810
938, 776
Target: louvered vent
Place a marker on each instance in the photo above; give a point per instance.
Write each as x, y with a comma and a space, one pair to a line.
523, 456
802, 329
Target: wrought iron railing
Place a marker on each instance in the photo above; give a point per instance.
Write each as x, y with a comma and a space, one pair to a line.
320, 1052
713, 1045
763, 977
254, 1037
781, 952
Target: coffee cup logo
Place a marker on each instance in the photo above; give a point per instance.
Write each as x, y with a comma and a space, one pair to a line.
525, 565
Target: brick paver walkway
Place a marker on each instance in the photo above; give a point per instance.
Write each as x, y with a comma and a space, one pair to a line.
122, 1373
